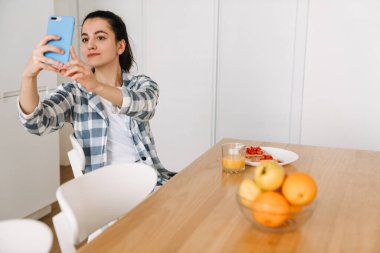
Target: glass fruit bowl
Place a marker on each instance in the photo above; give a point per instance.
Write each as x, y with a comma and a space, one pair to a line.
275, 218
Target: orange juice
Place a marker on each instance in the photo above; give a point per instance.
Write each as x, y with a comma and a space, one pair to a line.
233, 163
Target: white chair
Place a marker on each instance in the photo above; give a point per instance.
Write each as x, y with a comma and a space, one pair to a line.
25, 235
95, 199
76, 157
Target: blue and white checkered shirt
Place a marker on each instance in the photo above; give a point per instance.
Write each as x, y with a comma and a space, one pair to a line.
72, 103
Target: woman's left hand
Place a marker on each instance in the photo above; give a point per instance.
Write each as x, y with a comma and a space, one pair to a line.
80, 72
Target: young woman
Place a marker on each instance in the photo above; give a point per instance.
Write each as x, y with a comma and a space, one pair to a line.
108, 108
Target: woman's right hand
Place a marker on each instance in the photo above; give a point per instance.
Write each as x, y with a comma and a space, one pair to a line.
38, 61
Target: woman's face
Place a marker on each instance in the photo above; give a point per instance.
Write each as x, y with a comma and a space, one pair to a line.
99, 46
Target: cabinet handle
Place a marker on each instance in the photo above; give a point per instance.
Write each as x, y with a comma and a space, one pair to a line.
14, 93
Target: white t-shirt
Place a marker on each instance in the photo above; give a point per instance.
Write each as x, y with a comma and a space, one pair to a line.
120, 146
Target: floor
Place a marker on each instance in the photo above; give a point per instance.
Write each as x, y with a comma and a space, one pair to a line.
66, 174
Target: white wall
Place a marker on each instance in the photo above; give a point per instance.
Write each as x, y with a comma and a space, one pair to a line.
341, 98
295, 71
179, 55
256, 51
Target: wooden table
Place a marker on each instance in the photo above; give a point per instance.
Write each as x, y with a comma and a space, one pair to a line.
197, 210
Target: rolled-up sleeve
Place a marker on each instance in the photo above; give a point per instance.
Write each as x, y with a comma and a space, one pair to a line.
50, 114
140, 97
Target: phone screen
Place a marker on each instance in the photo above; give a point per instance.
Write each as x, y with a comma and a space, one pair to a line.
63, 26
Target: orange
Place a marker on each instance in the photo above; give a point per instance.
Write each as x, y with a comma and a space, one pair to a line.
270, 209
233, 162
299, 189
295, 209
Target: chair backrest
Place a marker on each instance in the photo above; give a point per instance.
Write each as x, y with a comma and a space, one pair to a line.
76, 157
101, 196
25, 235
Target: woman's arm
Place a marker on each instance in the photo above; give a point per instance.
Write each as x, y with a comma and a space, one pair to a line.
79, 71
28, 91
137, 98
28, 94
50, 114
140, 97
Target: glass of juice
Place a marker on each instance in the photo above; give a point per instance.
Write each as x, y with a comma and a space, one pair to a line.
233, 157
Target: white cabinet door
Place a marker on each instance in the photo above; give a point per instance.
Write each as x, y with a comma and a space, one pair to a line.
256, 54
21, 29
341, 94
178, 55
29, 170
29, 165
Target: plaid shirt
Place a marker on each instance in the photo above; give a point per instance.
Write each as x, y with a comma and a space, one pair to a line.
84, 110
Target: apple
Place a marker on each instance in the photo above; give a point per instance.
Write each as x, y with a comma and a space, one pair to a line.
248, 191
269, 175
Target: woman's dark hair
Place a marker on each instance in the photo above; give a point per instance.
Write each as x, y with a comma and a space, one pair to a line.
118, 27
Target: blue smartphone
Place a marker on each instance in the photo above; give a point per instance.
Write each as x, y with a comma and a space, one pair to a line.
63, 26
